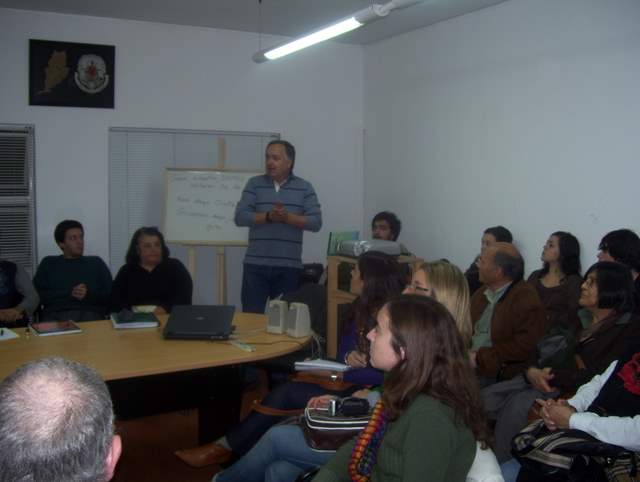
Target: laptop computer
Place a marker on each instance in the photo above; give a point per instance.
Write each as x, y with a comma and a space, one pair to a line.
200, 322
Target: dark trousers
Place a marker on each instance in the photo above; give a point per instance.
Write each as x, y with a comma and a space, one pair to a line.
508, 403
262, 282
288, 396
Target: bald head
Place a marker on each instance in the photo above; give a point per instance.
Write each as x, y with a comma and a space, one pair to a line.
506, 248
499, 264
56, 423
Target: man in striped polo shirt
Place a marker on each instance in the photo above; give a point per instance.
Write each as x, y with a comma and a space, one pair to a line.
277, 207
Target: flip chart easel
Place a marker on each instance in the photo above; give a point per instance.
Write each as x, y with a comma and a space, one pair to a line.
199, 211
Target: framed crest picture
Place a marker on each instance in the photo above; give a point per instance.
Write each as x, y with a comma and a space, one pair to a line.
67, 74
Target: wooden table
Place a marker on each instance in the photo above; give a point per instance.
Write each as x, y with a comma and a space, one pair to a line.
147, 374
118, 354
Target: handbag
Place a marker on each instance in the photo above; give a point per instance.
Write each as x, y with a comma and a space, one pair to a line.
572, 455
557, 348
325, 432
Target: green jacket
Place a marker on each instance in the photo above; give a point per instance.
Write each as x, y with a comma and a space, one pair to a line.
423, 445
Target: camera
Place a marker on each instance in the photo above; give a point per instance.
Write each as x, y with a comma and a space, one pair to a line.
348, 407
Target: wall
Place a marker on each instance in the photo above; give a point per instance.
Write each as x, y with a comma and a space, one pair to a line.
170, 76
523, 114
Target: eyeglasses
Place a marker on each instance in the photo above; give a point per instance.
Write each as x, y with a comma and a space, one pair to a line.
419, 289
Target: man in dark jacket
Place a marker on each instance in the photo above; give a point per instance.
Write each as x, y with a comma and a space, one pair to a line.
507, 315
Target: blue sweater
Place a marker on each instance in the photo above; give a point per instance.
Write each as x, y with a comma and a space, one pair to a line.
277, 244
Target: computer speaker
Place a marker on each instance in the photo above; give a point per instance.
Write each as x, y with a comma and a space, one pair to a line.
298, 320
277, 312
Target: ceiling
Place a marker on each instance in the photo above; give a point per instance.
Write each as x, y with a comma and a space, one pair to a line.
288, 18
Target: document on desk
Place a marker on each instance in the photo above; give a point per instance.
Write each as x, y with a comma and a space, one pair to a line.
7, 334
320, 364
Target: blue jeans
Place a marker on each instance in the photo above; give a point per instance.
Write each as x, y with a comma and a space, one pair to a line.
281, 455
262, 282
510, 470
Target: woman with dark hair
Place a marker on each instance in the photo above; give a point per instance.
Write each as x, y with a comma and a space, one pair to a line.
558, 282
623, 246
375, 278
150, 277
430, 414
606, 298
282, 454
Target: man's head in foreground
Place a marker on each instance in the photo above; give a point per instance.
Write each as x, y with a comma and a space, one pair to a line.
56, 424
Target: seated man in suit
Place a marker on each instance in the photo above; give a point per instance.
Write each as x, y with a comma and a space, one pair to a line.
56, 423
507, 315
73, 286
18, 298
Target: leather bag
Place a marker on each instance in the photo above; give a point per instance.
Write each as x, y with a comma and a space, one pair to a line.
572, 455
328, 433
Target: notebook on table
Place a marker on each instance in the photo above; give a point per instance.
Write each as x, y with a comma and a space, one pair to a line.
200, 322
52, 328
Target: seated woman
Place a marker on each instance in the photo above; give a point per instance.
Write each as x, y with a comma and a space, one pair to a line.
607, 299
607, 408
445, 283
558, 282
282, 454
623, 246
150, 276
430, 414
375, 278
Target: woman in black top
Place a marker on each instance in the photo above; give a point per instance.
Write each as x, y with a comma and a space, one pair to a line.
150, 276
558, 282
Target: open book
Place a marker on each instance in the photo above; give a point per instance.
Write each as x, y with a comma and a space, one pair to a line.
320, 364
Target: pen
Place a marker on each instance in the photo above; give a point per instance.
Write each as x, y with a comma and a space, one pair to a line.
242, 346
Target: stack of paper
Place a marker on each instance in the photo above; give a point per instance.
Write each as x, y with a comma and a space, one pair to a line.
7, 334
320, 364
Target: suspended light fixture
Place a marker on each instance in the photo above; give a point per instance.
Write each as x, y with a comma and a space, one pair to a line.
352, 22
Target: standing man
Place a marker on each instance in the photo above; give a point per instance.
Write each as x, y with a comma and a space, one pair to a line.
277, 207
72, 286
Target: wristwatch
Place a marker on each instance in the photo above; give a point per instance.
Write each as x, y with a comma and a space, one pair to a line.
268, 217
346, 357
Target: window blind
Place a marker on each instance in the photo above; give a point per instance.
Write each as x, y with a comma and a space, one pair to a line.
17, 195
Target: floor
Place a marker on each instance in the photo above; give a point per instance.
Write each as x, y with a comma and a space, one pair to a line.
148, 444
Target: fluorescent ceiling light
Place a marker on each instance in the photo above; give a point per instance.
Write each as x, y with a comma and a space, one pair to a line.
313, 38
348, 24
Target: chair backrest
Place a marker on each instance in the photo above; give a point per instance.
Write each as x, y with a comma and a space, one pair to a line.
485, 467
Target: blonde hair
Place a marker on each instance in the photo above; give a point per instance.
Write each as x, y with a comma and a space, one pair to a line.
449, 287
